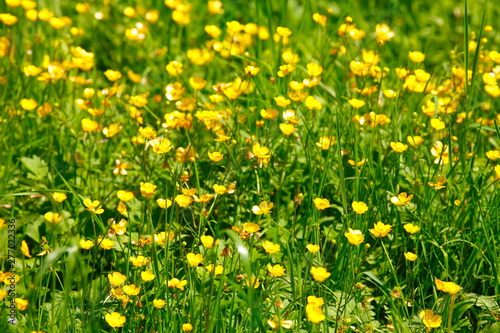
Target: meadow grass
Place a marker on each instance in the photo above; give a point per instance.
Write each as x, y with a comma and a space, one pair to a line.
249, 166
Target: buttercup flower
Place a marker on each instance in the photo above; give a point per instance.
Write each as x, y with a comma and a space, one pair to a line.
312, 248
148, 190
447, 287
430, 319
115, 319
263, 208
402, 199
270, 247
355, 237
176, 283
411, 229
359, 207
319, 273
410, 256
276, 270
321, 203
380, 229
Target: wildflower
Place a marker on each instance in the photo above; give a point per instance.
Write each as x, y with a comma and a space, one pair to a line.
139, 261
402, 199
319, 273
52, 217
321, 203
251, 227
380, 229
147, 132
430, 319
287, 129
117, 228
176, 283
213, 31
147, 276
112, 75
162, 238
218, 270
253, 282
197, 83
383, 33
252, 70
86, 244
262, 153
276, 270
148, 190
59, 197
389, 93
215, 156
410, 256
21, 304
219, 189
93, 206
447, 287
326, 142
314, 69
89, 125
263, 208
359, 207
414, 140
411, 229
183, 200
493, 155
356, 103
194, 259
106, 244
312, 248
188, 327
164, 204
131, 290
398, 147
269, 113
25, 249
439, 184
125, 195
312, 103
313, 311
270, 247
159, 303
115, 319
160, 146
28, 104
122, 209
207, 241
416, 56
116, 279
437, 124
355, 237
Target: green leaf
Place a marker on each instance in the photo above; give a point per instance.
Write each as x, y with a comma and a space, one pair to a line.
38, 167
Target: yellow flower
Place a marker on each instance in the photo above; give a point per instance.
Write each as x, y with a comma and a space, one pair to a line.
356, 103
147, 132
59, 197
321, 203
89, 125
131, 290
283, 31
430, 319
276, 270
219, 189
213, 31
162, 238
28, 104
21, 304
319, 273
148, 190
282, 101
215, 156
52, 217
159, 303
188, 327
447, 287
234, 26
312, 248
207, 241
411, 229
116, 279
251, 227
176, 283
217, 271
355, 237
312, 103
139, 261
125, 195
147, 276
383, 33
174, 68
380, 229
93, 206
183, 200
263, 208
112, 75
416, 56
314, 313
410, 256
86, 244
493, 155
252, 70
31, 70
115, 319
106, 244
253, 282
25, 249
414, 140
270, 247
287, 129
398, 147
194, 259
197, 83
269, 113
437, 124
326, 142
160, 146
262, 153
162, 203
402, 199
359, 207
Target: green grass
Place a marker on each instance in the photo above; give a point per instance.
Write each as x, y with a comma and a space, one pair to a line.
372, 287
